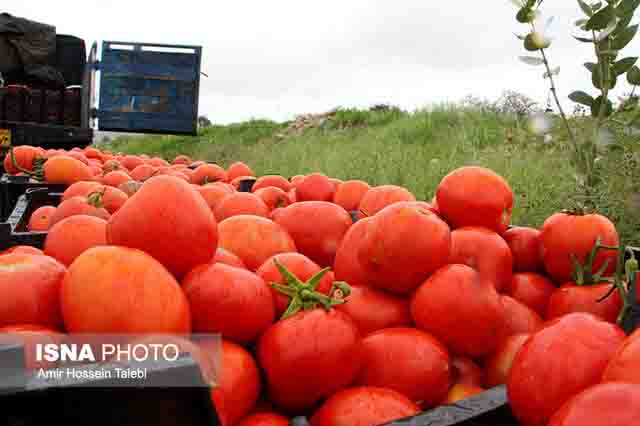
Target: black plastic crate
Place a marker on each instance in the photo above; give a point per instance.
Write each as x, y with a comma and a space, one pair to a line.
48, 136
13, 232
101, 402
489, 408
12, 187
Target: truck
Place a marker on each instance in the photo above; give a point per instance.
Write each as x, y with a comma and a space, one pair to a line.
55, 95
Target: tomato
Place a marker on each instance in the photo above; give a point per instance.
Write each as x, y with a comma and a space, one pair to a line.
273, 197
623, 366
460, 391
24, 156
213, 194
347, 265
131, 162
379, 197
309, 356
317, 227
518, 318
239, 385
207, 173
82, 188
143, 172
454, 295
228, 300
315, 187
154, 220
22, 250
78, 206
238, 169
300, 266
374, 310
264, 419
534, 290
497, 367
571, 297
239, 203
228, 258
465, 372
611, 404
475, 196
182, 159
118, 301
420, 369
254, 239
566, 234
349, 194
364, 406
40, 218
272, 180
115, 178
111, 166
402, 246
69, 238
158, 162
66, 170
30, 288
526, 248
485, 251
565, 357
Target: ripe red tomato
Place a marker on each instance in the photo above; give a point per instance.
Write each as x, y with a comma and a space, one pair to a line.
374, 310
218, 292
30, 288
239, 385
565, 234
238, 203
402, 246
571, 297
315, 187
484, 251
317, 228
454, 295
420, 369
264, 419
379, 197
465, 372
526, 248
349, 194
534, 290
475, 196
347, 266
611, 404
497, 367
565, 357
309, 356
518, 318
364, 406
228, 258
300, 266
623, 366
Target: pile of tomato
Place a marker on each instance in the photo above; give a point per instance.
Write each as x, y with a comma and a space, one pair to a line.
346, 303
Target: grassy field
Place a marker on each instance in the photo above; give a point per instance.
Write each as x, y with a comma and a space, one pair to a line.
414, 150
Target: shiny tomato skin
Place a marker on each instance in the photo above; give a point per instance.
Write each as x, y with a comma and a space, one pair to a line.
564, 234
624, 365
264, 419
364, 406
454, 295
568, 355
420, 369
610, 404
532, 289
484, 251
526, 248
571, 297
309, 356
348, 266
374, 310
518, 318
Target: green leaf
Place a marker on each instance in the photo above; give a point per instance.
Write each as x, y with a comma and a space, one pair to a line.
633, 76
624, 65
582, 98
581, 22
623, 24
590, 66
624, 37
601, 20
596, 80
585, 8
627, 6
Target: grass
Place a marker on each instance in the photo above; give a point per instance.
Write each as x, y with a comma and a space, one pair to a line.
415, 150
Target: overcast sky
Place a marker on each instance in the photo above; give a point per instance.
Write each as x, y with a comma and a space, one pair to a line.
281, 58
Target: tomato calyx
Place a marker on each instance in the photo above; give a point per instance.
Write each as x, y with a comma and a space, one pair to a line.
304, 295
95, 198
583, 273
38, 167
